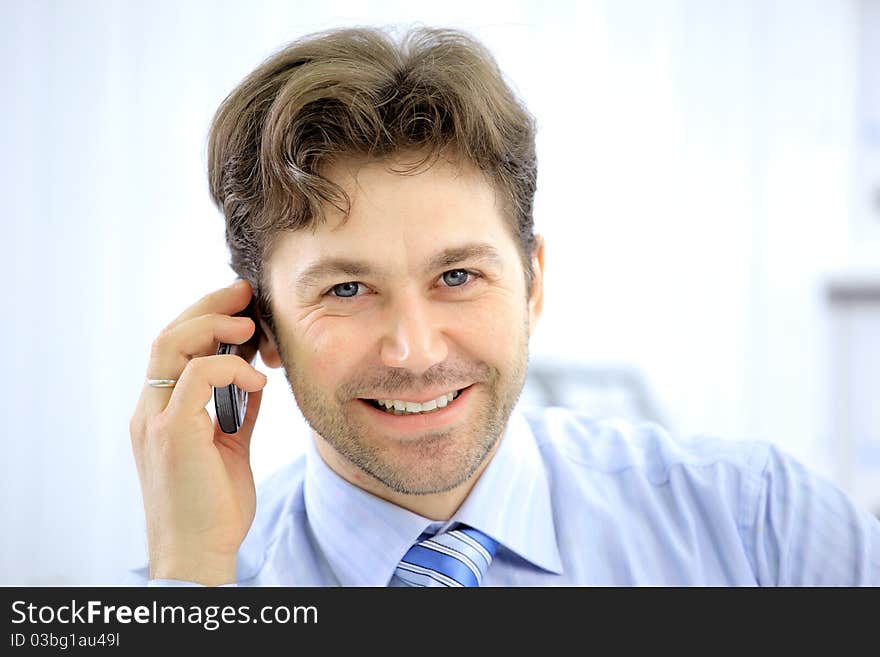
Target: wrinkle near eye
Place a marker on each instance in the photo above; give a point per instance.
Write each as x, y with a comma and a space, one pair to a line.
310, 321
308, 312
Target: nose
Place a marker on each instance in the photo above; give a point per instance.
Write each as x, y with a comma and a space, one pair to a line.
414, 337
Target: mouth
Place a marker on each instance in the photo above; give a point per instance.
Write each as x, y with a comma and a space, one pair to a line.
397, 419
388, 406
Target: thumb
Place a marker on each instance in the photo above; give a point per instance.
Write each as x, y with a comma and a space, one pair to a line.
243, 435
240, 441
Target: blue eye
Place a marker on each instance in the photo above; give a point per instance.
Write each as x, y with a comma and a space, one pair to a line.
345, 290
451, 278
456, 277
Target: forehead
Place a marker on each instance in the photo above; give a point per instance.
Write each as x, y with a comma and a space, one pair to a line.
400, 221
448, 189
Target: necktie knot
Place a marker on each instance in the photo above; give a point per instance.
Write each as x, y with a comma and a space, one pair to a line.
459, 557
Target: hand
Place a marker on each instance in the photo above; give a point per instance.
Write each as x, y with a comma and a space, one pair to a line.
197, 483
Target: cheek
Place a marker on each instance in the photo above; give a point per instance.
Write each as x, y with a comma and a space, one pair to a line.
321, 346
488, 329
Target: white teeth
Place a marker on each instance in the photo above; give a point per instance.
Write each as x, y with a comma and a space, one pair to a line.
400, 407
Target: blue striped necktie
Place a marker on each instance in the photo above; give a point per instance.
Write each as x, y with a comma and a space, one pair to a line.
459, 557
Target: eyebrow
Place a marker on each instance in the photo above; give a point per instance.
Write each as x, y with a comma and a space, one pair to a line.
331, 266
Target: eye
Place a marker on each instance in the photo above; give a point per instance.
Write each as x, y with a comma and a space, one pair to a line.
456, 277
345, 290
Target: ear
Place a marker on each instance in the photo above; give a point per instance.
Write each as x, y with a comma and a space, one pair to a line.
268, 348
536, 299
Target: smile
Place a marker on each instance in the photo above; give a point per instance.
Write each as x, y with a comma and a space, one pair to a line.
398, 407
422, 417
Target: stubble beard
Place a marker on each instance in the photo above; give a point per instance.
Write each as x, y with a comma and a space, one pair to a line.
435, 462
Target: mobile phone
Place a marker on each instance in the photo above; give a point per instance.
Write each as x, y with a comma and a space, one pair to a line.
230, 401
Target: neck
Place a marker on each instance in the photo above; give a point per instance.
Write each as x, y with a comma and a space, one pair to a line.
434, 506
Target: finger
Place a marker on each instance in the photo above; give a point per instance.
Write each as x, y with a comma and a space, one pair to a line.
226, 301
175, 347
250, 416
195, 388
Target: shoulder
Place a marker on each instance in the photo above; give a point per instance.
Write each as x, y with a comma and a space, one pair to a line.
275, 490
794, 526
280, 505
278, 495
614, 446
660, 508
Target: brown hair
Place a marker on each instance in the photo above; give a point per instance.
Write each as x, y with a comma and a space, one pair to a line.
354, 92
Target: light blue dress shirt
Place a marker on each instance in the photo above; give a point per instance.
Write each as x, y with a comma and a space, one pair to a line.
573, 500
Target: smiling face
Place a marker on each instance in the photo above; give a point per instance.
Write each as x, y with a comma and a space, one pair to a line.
421, 292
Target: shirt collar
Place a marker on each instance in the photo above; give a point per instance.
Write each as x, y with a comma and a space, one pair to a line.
363, 536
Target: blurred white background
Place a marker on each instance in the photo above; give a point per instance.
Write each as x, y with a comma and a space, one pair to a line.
708, 189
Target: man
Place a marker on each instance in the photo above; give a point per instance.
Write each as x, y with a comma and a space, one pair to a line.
378, 203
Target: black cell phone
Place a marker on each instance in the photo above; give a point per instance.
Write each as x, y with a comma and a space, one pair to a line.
230, 401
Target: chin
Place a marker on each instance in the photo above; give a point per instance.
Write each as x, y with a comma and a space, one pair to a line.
431, 463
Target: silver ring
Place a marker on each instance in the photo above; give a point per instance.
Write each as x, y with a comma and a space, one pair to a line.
162, 383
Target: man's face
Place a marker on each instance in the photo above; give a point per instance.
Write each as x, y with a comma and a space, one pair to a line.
419, 294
